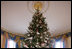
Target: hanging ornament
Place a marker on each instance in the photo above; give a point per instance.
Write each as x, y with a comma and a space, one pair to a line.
41, 37
37, 20
47, 38
38, 33
45, 32
41, 17
28, 34
40, 21
30, 42
37, 43
40, 26
48, 41
37, 25
30, 38
42, 44
31, 46
47, 35
39, 46
26, 46
45, 41
25, 39
31, 32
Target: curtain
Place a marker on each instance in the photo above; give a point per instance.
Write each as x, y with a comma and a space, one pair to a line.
17, 38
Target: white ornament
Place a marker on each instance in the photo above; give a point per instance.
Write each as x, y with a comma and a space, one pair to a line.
40, 21
26, 46
37, 43
38, 33
45, 41
25, 39
47, 35
41, 37
30, 38
31, 46
44, 32
40, 26
37, 25
43, 44
37, 20
47, 38
30, 42
31, 32
28, 34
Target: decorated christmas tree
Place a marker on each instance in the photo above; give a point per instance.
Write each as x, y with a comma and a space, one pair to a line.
38, 35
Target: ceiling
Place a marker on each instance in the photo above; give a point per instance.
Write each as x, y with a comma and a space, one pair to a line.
15, 16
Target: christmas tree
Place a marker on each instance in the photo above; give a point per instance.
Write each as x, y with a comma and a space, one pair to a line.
38, 35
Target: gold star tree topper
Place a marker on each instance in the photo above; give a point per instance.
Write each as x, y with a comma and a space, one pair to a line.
38, 5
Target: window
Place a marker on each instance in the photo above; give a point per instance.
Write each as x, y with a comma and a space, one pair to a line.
11, 44
58, 44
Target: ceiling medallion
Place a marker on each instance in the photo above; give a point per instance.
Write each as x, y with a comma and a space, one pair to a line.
41, 5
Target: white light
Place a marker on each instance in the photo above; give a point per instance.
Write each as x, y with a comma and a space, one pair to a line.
59, 44
11, 44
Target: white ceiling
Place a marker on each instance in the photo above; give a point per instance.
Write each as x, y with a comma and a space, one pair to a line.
15, 17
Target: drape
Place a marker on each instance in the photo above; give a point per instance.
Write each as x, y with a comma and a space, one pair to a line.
14, 37
18, 39
62, 38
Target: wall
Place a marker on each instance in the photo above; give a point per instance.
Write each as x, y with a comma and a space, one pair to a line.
15, 16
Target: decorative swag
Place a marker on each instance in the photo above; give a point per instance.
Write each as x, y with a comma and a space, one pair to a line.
11, 36
18, 38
